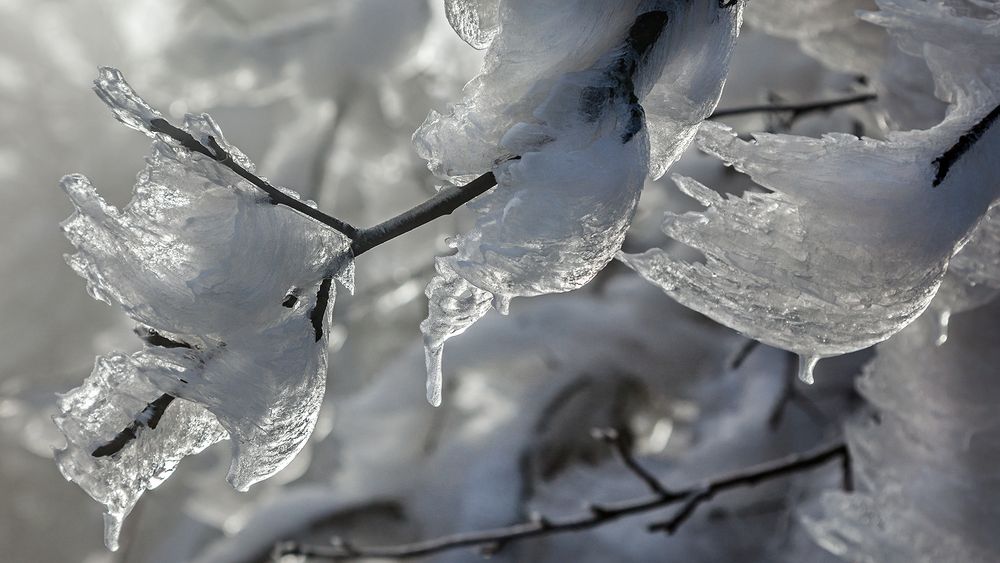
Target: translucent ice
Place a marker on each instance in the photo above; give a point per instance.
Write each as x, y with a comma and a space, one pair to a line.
233, 296
857, 235
558, 118
926, 468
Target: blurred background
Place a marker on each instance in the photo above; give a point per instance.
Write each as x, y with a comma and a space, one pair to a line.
324, 96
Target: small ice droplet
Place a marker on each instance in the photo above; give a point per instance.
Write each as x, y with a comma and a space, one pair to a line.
807, 364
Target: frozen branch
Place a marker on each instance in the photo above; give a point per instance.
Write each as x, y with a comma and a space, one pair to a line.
443, 203
596, 515
796, 109
446, 201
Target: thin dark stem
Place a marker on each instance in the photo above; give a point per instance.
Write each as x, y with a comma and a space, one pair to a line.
594, 516
443, 203
748, 478
277, 196
797, 109
148, 417
617, 441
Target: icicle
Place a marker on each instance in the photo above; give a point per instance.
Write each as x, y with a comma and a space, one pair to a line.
807, 363
432, 358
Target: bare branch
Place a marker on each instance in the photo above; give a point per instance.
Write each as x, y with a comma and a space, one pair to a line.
593, 516
617, 441
749, 477
796, 109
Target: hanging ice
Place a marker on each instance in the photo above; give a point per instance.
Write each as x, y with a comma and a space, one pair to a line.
233, 297
856, 237
556, 116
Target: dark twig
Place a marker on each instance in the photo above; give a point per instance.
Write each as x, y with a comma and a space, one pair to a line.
743, 353
962, 146
796, 109
595, 515
748, 478
617, 441
443, 203
148, 417
278, 197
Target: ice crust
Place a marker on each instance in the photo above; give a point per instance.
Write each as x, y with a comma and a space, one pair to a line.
202, 258
855, 239
571, 124
926, 466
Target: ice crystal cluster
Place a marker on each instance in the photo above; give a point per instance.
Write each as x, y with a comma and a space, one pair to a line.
854, 235
571, 125
232, 296
926, 466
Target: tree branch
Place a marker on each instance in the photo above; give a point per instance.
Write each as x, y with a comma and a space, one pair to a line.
796, 109
443, 203
594, 516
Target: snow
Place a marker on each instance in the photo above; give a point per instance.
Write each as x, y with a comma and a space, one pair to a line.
561, 126
203, 258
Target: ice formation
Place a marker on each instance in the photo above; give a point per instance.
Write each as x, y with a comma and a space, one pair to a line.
571, 124
233, 297
926, 465
857, 235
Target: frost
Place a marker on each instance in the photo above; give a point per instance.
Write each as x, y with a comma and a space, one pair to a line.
927, 466
233, 296
857, 235
557, 117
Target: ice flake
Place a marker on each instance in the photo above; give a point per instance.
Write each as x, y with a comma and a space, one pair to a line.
206, 264
557, 117
857, 235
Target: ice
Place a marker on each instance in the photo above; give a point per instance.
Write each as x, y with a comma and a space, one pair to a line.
558, 119
101, 407
233, 296
475, 21
926, 466
856, 236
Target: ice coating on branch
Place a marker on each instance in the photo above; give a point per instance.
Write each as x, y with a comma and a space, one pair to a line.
857, 235
678, 84
109, 399
233, 296
475, 21
556, 114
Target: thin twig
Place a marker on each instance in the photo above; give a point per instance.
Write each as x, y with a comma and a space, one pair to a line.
797, 109
443, 203
749, 477
617, 441
278, 197
595, 515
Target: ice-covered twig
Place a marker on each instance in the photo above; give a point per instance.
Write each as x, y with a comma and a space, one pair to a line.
594, 516
796, 109
443, 203
213, 150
